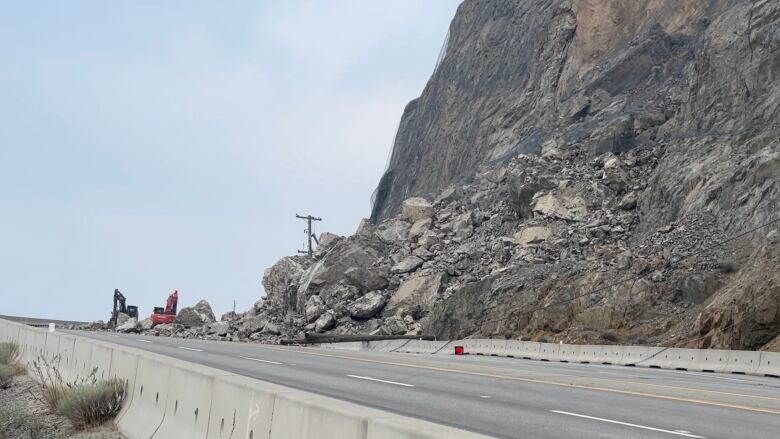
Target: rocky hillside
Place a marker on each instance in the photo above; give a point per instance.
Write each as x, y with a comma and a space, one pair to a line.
575, 170
562, 146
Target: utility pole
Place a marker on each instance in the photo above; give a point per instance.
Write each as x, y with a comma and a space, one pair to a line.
309, 232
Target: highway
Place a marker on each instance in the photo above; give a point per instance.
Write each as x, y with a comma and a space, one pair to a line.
503, 397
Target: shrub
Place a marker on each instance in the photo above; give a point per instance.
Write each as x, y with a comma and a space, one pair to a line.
609, 336
9, 353
90, 405
6, 376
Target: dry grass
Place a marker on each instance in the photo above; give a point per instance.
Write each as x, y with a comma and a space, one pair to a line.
6, 376
86, 402
91, 405
9, 353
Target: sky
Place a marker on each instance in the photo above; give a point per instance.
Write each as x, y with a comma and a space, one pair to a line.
158, 145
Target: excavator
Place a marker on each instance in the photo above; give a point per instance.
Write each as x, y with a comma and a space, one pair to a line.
121, 306
161, 315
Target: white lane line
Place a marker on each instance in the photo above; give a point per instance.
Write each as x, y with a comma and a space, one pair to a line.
381, 381
261, 361
111, 335
485, 396
145, 341
191, 349
644, 427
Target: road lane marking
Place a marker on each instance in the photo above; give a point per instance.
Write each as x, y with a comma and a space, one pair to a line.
485, 396
381, 381
144, 341
191, 349
644, 427
111, 335
538, 381
261, 361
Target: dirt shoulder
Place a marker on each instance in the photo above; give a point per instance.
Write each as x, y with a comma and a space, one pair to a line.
24, 415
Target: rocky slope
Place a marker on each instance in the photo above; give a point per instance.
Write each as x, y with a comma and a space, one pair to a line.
576, 171
652, 132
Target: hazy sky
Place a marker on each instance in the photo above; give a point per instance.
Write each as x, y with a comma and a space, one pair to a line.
159, 145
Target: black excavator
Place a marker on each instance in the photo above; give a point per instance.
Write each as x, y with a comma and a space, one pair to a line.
121, 306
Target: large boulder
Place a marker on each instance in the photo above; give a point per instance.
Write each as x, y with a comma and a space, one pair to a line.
394, 230
230, 316
130, 325
251, 325
145, 325
416, 209
367, 279
330, 269
219, 328
314, 308
335, 294
325, 322
281, 281
395, 326
408, 264
367, 306
121, 318
198, 315
533, 235
561, 207
416, 291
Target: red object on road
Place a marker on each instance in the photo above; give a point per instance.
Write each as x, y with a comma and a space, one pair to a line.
162, 316
459, 350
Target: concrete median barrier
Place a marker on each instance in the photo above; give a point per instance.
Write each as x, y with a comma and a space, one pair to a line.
305, 415
549, 351
423, 347
100, 360
82, 359
189, 392
146, 410
770, 364
635, 355
743, 362
570, 353
241, 408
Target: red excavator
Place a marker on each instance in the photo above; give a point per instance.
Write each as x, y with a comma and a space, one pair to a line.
161, 316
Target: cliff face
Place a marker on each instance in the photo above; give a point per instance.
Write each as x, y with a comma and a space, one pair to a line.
585, 171
609, 75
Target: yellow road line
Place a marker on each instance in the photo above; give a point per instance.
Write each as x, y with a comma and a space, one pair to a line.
537, 381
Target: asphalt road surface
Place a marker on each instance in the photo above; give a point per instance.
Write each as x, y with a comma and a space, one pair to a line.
504, 397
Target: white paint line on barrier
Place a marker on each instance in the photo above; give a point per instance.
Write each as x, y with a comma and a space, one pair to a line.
144, 341
191, 349
381, 381
261, 361
644, 427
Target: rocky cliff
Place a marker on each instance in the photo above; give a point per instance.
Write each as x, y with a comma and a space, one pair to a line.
600, 171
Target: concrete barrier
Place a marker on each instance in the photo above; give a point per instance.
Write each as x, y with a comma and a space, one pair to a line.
146, 411
172, 399
770, 364
305, 415
743, 362
386, 345
241, 408
549, 351
189, 392
423, 347
635, 355
82, 359
570, 353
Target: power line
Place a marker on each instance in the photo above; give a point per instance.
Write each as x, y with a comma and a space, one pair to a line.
632, 278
